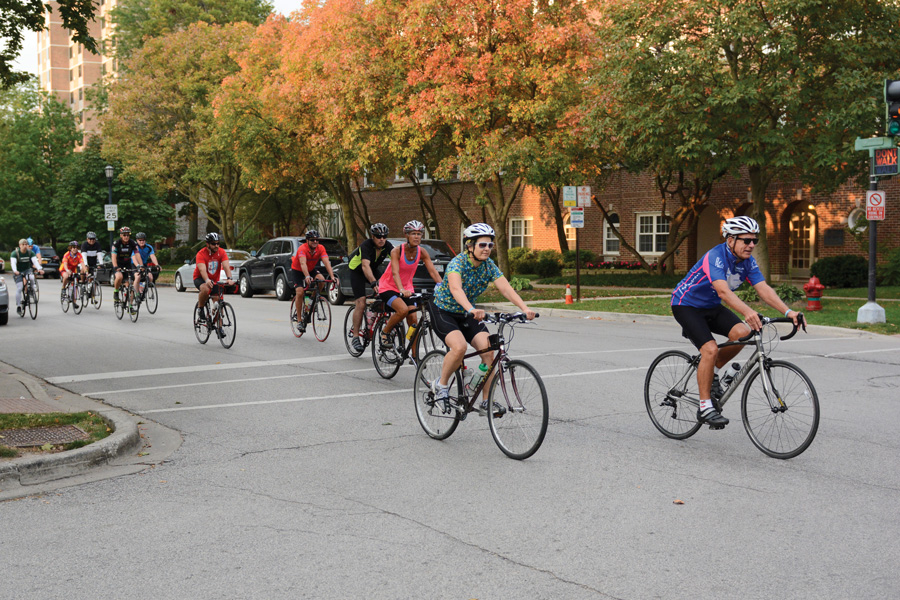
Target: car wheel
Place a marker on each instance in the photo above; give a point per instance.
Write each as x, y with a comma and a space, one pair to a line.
4, 317
335, 296
282, 291
179, 284
246, 289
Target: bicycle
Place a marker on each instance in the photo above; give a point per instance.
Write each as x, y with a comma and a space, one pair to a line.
29, 296
71, 293
389, 360
779, 405
127, 301
91, 290
518, 409
216, 315
316, 309
148, 292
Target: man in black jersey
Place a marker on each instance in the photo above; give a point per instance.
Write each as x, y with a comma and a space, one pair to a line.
91, 250
364, 264
123, 257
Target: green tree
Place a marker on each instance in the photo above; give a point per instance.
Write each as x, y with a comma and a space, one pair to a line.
38, 135
18, 16
82, 192
162, 126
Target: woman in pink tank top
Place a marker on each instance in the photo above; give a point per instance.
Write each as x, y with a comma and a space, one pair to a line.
396, 283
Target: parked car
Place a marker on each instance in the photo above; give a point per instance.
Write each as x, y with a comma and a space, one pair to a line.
270, 267
184, 276
2, 265
440, 251
104, 268
4, 301
50, 262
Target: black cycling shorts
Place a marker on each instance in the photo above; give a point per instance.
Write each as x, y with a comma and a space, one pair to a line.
698, 324
358, 283
299, 279
388, 297
443, 323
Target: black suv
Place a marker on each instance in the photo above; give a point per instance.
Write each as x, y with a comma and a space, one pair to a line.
50, 262
270, 267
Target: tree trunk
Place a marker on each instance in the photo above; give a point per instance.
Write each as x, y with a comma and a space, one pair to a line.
553, 193
498, 208
759, 183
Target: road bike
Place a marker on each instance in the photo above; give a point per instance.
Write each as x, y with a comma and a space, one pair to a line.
215, 315
403, 347
71, 294
147, 295
517, 410
91, 290
316, 310
127, 301
29, 296
779, 405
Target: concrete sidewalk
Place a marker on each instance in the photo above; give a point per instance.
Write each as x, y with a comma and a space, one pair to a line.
126, 449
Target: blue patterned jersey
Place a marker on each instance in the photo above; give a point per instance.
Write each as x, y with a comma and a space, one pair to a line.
474, 281
696, 289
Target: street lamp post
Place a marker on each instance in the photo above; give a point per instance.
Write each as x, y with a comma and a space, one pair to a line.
109, 177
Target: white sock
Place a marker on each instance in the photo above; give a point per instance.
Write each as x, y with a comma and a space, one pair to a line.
715, 370
705, 405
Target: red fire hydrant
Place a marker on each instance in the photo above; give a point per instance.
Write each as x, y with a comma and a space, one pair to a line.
813, 289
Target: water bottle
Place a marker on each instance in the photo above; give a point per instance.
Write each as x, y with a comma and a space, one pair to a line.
410, 332
478, 376
370, 319
729, 375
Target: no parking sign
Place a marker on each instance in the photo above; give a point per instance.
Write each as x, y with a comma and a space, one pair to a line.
875, 205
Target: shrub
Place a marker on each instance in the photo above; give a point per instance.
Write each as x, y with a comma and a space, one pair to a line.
789, 293
844, 271
889, 271
181, 254
520, 283
587, 257
747, 293
549, 263
522, 260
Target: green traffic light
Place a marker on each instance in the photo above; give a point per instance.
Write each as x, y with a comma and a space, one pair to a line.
893, 128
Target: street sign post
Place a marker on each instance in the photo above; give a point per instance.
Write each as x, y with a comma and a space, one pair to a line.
576, 221
111, 212
874, 205
584, 195
570, 196
577, 218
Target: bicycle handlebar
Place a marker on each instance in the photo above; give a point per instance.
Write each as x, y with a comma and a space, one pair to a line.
507, 317
801, 321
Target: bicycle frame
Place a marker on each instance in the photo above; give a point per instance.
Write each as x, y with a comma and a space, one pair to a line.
497, 344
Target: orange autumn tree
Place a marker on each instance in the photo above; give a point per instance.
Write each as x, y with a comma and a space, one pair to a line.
497, 77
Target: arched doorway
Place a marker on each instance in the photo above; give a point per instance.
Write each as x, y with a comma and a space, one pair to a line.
802, 240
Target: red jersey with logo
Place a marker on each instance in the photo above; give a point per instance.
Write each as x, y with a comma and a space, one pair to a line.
312, 257
213, 262
71, 263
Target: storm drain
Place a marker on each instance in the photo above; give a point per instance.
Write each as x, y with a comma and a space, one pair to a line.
38, 436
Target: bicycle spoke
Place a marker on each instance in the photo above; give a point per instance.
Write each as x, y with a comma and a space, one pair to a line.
321, 318
671, 395
518, 410
438, 419
227, 325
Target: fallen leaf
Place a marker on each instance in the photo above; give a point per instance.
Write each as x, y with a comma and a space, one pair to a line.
678, 502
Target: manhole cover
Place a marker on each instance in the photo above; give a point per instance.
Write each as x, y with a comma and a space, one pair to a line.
38, 436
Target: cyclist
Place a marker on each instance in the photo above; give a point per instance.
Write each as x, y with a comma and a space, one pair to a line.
91, 249
35, 248
24, 262
210, 261
454, 316
123, 257
697, 306
364, 264
396, 284
148, 255
304, 268
71, 263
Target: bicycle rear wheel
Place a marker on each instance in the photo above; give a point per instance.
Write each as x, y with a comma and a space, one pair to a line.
671, 395
201, 329
32, 304
387, 360
150, 298
783, 422
227, 325
348, 334
134, 304
321, 319
439, 420
78, 298
518, 410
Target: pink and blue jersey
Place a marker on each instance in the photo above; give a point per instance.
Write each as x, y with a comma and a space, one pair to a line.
697, 290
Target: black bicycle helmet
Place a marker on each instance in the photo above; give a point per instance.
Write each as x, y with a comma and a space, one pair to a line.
140, 236
213, 238
73, 243
379, 229
312, 234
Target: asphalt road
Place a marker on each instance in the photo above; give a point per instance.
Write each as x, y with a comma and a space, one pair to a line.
303, 474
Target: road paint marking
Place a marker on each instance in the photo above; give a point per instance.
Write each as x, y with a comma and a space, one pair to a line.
283, 401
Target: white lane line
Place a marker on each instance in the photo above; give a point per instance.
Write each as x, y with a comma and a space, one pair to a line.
193, 369
829, 355
603, 372
283, 401
218, 382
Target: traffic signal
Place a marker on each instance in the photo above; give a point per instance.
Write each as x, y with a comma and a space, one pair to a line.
892, 104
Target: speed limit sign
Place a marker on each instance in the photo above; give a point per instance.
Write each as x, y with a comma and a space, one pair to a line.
111, 212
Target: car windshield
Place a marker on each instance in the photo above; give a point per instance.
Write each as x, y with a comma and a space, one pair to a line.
434, 248
238, 255
47, 251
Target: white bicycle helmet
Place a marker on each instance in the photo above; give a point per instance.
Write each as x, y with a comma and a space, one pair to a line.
739, 225
477, 230
379, 229
414, 226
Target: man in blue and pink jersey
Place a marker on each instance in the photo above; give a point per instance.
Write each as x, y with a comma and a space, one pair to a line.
697, 306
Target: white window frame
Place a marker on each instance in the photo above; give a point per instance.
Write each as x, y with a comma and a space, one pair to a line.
527, 234
610, 236
658, 233
569, 231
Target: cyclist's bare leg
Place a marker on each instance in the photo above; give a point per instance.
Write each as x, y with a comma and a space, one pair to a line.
726, 354
709, 353
456, 349
117, 282
299, 293
203, 296
481, 342
358, 314
400, 312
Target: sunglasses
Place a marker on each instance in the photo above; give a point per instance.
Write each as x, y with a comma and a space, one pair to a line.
749, 241
484, 245
379, 237
213, 243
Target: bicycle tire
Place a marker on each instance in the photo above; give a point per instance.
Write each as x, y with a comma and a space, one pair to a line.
78, 297
227, 325
426, 341
32, 305
348, 334
519, 389
201, 330
150, 298
321, 319
37, 290
295, 321
64, 299
671, 395
134, 304
119, 305
387, 360
437, 420
96, 294
788, 431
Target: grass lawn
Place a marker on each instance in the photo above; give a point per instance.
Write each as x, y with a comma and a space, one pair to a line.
836, 313
89, 422
492, 295
888, 292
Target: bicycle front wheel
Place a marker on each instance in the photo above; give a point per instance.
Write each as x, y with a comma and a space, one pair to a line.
518, 410
387, 359
64, 299
348, 334
783, 419
426, 341
438, 419
120, 303
37, 290
32, 304
201, 328
671, 395
227, 325
321, 319
96, 294
78, 298
134, 304
150, 298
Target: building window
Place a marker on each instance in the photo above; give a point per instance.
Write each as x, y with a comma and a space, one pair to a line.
71, 75
570, 231
610, 241
81, 93
367, 180
520, 232
79, 71
653, 229
422, 174
432, 229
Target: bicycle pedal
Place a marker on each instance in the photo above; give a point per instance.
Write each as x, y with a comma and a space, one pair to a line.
717, 427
